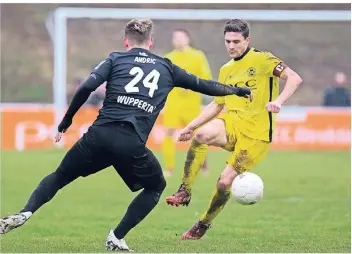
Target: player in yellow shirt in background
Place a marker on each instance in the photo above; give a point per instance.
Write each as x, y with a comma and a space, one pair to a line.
182, 106
245, 129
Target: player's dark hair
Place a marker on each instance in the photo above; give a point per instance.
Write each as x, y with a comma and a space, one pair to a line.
237, 26
139, 30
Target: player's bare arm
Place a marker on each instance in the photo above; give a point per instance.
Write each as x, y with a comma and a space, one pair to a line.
293, 81
207, 114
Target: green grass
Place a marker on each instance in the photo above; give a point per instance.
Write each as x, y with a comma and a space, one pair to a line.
306, 208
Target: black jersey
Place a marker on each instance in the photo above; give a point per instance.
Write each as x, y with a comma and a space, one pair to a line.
138, 83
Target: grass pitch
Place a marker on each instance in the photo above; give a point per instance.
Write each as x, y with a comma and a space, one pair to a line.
306, 208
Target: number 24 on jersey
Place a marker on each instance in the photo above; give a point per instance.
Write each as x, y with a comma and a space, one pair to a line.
149, 81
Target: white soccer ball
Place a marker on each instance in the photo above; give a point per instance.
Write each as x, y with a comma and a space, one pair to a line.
247, 188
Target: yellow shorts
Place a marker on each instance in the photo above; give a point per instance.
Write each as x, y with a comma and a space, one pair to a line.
246, 152
175, 117
181, 108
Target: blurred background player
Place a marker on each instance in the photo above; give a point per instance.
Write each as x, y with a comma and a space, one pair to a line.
182, 105
245, 129
339, 94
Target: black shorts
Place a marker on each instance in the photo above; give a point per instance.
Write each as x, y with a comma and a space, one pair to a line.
117, 145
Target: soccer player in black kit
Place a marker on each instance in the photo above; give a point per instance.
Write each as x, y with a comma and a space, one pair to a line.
138, 83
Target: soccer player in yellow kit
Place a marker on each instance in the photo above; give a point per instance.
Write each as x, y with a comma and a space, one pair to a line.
182, 106
245, 129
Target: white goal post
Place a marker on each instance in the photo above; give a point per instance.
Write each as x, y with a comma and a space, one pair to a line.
57, 26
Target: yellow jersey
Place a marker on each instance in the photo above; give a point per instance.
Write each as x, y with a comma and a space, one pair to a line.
260, 72
195, 62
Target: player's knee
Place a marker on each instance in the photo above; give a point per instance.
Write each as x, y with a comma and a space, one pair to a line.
162, 185
157, 185
223, 184
170, 132
63, 178
202, 137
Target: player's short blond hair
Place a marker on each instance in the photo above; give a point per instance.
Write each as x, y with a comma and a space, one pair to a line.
139, 30
237, 26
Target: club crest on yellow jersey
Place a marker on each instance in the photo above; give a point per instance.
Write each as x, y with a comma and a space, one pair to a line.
251, 72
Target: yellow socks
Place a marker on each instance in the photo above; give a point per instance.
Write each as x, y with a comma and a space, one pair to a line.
169, 153
217, 203
195, 159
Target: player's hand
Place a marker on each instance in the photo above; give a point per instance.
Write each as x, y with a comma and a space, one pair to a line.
273, 107
58, 136
65, 124
62, 128
185, 134
244, 92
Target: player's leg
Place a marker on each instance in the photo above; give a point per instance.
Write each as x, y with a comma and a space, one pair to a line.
169, 152
170, 123
221, 195
79, 161
247, 154
205, 168
142, 172
191, 113
213, 133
